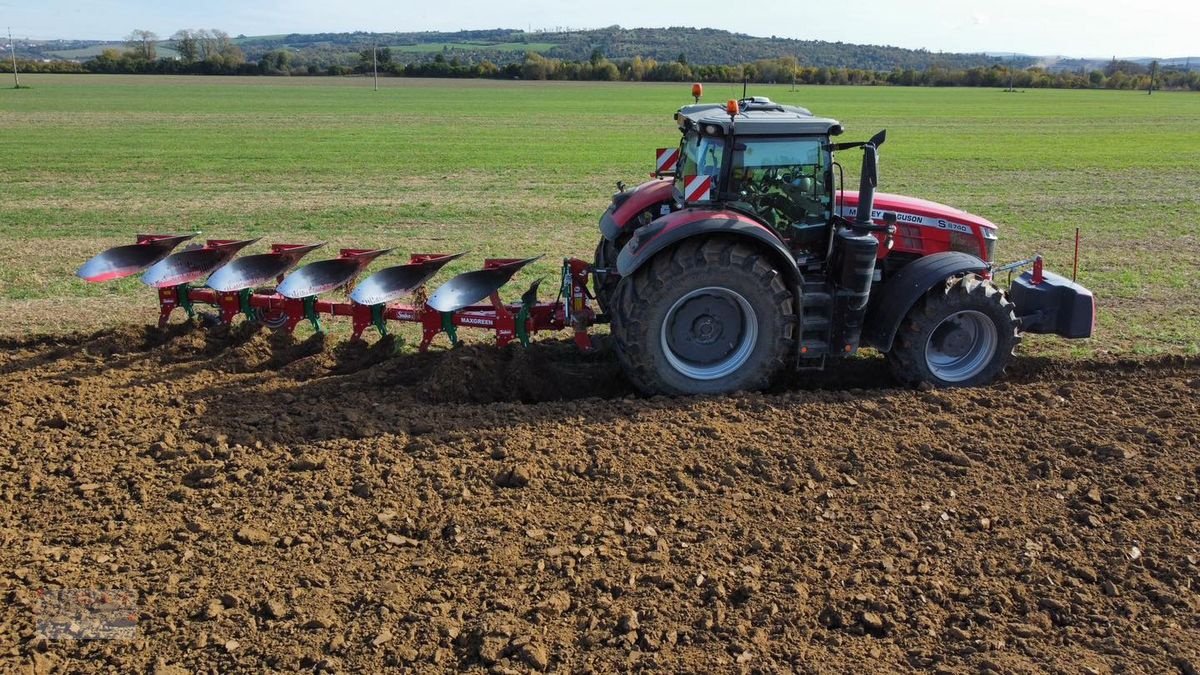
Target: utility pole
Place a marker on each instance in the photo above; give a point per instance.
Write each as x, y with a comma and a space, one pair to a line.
1153, 73
375, 65
13, 49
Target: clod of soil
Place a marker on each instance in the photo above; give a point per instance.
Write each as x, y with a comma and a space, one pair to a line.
274, 504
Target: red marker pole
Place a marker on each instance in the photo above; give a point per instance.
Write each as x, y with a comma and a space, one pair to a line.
1075, 268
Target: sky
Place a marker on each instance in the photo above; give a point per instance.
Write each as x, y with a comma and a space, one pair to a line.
1093, 28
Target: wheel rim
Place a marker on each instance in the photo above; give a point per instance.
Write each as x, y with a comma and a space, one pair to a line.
709, 333
961, 346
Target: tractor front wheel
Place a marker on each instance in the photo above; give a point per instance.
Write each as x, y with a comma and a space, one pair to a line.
705, 317
960, 334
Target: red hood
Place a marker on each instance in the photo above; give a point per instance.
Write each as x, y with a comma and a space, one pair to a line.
902, 204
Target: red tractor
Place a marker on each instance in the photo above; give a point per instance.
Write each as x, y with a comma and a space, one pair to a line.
747, 257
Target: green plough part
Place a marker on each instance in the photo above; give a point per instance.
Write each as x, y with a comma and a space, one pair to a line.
310, 313
183, 298
449, 327
244, 303
377, 319
522, 328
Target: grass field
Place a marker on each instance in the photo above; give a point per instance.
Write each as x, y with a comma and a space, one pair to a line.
523, 168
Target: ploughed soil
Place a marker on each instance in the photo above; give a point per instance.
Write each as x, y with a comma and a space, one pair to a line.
271, 504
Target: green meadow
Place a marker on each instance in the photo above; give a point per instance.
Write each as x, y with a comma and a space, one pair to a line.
524, 168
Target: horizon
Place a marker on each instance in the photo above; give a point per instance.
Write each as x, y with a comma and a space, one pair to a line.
1070, 29
561, 29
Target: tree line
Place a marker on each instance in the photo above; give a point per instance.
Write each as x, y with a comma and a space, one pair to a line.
213, 52
702, 45
710, 45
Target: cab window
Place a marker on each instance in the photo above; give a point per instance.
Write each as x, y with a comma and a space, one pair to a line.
782, 179
700, 156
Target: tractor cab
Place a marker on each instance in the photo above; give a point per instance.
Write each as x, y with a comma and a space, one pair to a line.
770, 161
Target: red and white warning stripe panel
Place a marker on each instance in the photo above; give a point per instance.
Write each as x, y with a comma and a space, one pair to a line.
697, 188
665, 160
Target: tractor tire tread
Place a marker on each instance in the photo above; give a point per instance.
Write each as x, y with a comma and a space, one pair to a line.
906, 360
633, 296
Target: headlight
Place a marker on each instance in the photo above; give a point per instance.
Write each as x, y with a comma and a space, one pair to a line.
967, 243
989, 243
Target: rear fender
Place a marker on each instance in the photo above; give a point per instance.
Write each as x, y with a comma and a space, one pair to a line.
891, 303
627, 205
676, 227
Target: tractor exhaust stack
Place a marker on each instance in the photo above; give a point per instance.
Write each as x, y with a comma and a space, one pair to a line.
869, 179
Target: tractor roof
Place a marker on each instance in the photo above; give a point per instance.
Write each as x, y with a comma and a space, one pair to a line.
759, 116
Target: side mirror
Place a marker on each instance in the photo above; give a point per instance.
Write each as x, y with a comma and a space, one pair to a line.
878, 139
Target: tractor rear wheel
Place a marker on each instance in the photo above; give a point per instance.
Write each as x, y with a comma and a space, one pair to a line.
961, 334
705, 317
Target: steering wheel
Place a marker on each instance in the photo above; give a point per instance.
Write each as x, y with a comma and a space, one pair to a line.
765, 195
778, 198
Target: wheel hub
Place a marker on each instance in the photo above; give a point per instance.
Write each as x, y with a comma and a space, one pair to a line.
707, 329
955, 341
709, 333
961, 346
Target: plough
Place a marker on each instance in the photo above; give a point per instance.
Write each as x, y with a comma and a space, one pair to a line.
241, 286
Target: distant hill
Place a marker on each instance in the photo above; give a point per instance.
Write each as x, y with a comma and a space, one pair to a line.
1066, 63
698, 46
1060, 63
709, 46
